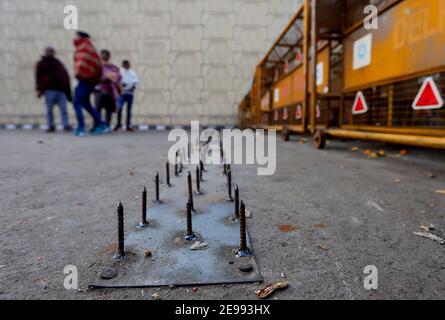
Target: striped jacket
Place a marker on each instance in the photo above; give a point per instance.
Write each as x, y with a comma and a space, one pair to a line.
87, 63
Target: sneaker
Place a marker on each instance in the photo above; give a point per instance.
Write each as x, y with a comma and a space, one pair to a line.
102, 129
51, 130
93, 129
80, 133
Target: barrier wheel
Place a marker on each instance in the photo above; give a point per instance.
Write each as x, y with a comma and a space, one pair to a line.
320, 139
285, 134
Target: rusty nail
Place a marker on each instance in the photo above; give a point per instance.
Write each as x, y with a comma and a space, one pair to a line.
120, 234
198, 181
236, 201
190, 189
229, 186
221, 150
157, 200
167, 170
243, 249
189, 149
190, 236
144, 222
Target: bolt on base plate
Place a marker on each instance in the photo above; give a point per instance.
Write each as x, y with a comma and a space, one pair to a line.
142, 225
119, 258
244, 253
190, 237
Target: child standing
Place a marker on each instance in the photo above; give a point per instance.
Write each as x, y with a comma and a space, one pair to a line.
110, 87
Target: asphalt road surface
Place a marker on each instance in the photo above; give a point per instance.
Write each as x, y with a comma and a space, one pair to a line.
317, 223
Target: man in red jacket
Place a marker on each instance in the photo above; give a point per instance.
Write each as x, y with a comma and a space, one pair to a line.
88, 71
53, 82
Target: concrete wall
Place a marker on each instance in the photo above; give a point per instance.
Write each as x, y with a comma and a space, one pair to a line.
195, 57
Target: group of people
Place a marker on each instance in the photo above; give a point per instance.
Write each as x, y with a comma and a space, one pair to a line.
113, 87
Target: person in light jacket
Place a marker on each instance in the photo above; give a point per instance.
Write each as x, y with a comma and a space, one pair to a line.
129, 82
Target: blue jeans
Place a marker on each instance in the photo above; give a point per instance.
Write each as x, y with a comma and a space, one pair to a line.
82, 95
126, 98
53, 97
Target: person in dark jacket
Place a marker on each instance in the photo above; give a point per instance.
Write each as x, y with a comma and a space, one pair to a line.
53, 82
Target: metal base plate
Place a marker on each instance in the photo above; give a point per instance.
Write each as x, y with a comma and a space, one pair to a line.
172, 262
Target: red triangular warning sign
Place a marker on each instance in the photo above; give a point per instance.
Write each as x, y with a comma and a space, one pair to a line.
428, 97
360, 106
298, 113
285, 114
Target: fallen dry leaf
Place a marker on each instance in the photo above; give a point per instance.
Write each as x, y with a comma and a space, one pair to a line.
271, 288
198, 246
320, 226
404, 152
322, 247
131, 173
355, 149
148, 252
156, 296
430, 236
398, 181
440, 191
286, 228
372, 154
427, 228
194, 290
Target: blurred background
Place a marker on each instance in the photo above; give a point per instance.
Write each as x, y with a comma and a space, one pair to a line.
195, 58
